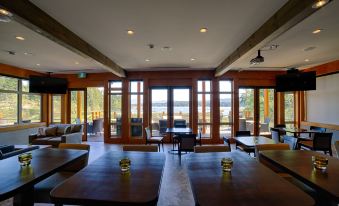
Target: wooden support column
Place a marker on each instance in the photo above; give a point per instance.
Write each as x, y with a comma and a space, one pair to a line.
266, 103
138, 100
79, 105
235, 105
281, 108
215, 109
203, 107
107, 129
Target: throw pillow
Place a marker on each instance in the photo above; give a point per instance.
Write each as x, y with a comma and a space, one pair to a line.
51, 131
68, 129
61, 130
41, 131
76, 128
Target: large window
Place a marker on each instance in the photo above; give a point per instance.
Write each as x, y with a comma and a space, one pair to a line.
226, 111
204, 107
136, 96
16, 103
246, 109
289, 109
115, 92
56, 108
266, 113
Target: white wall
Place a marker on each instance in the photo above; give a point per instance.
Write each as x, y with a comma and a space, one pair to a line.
323, 103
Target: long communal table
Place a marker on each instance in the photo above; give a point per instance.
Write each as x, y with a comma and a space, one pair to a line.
102, 183
249, 183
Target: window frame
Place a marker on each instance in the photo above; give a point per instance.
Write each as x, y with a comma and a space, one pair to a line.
119, 92
139, 93
231, 93
210, 124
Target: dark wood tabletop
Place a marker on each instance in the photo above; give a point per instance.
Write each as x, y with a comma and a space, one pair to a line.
45, 162
249, 183
178, 130
251, 141
101, 182
298, 163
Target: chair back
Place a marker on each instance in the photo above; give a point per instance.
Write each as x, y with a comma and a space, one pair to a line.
280, 126
291, 141
211, 148
98, 125
179, 123
242, 133
162, 126
267, 120
336, 145
148, 133
318, 129
322, 141
187, 142
264, 147
140, 148
275, 135
81, 163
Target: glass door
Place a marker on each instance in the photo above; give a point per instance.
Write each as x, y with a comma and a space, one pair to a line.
77, 109
159, 110
246, 110
266, 111
181, 107
95, 114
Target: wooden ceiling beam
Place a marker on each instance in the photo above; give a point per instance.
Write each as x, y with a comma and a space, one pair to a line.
293, 12
36, 19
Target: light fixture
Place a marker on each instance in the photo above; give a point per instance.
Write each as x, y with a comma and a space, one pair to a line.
257, 60
5, 12
20, 38
307, 60
317, 31
203, 30
28, 53
38, 65
76, 63
193, 59
147, 60
166, 48
5, 16
130, 32
319, 3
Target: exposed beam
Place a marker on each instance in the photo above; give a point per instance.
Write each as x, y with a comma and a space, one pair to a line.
293, 12
34, 18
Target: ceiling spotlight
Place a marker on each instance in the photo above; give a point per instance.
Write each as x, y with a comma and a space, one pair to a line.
76, 62
5, 16
28, 54
20, 38
319, 3
38, 65
147, 60
193, 59
203, 30
307, 60
317, 31
5, 12
257, 60
166, 48
130, 32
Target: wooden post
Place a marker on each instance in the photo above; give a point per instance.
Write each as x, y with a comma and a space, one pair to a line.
203, 107
138, 99
79, 105
266, 104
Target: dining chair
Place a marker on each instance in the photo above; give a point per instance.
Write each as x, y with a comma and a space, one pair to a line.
275, 132
140, 148
291, 141
198, 138
43, 188
242, 133
336, 144
211, 148
186, 143
179, 123
320, 142
227, 140
154, 139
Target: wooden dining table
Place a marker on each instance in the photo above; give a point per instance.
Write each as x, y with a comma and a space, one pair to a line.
251, 141
15, 179
297, 131
176, 130
102, 183
298, 163
249, 182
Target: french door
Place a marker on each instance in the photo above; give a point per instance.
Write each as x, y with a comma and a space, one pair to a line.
168, 105
256, 110
77, 106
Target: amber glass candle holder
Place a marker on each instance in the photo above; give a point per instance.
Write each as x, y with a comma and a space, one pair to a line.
125, 165
226, 164
25, 159
320, 162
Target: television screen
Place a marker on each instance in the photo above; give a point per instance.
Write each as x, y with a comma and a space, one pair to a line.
51, 85
296, 82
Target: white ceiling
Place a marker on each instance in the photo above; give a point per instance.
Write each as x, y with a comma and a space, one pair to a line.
173, 23
292, 43
51, 56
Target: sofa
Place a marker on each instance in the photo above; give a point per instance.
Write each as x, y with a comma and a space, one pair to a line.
7, 151
56, 134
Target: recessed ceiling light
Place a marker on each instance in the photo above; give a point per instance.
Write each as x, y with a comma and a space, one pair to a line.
307, 60
166, 48
76, 62
130, 32
38, 64
5, 12
203, 30
20, 38
192, 59
28, 54
317, 31
319, 3
147, 60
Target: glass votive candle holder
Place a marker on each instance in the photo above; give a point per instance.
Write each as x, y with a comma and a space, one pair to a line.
125, 165
25, 159
227, 164
320, 162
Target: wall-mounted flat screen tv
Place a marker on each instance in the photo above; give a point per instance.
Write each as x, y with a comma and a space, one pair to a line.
299, 81
50, 85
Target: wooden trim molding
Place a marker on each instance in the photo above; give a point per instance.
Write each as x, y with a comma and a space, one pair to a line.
14, 71
318, 124
10, 128
325, 69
